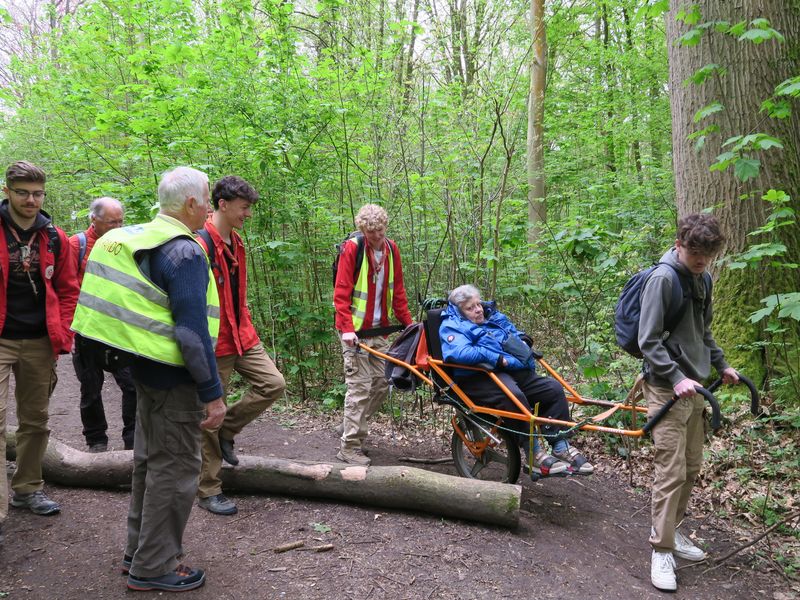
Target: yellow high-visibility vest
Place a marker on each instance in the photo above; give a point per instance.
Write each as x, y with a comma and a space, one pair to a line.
358, 307
121, 307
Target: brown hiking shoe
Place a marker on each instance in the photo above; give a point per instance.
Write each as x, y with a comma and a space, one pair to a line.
354, 456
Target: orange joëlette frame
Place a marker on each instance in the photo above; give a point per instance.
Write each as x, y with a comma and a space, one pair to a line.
524, 414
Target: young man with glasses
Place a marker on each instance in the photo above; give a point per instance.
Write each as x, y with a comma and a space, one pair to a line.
105, 214
39, 292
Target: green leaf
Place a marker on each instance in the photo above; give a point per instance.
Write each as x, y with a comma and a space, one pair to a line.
658, 8
746, 168
713, 128
703, 73
707, 110
761, 314
723, 161
690, 38
790, 87
775, 196
765, 142
689, 14
738, 29
759, 36
790, 309
776, 109
731, 140
700, 143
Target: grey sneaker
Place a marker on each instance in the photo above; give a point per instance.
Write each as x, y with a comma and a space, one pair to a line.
37, 502
228, 451
354, 456
545, 465
98, 447
219, 505
577, 461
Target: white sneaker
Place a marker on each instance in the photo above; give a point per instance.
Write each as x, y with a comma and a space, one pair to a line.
684, 548
662, 571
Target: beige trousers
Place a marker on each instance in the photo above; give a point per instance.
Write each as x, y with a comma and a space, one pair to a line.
366, 389
266, 386
678, 441
34, 369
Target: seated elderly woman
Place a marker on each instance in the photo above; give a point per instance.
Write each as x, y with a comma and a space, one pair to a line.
475, 333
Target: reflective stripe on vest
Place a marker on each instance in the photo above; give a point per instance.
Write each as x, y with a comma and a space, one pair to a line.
358, 307
121, 307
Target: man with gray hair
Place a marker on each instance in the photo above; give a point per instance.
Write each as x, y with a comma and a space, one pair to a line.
148, 293
105, 214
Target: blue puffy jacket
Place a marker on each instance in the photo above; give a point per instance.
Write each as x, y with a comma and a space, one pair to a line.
481, 345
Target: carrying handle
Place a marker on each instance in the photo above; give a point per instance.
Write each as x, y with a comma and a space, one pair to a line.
755, 408
716, 416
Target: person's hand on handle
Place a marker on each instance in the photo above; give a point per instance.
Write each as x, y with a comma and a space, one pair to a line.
730, 376
350, 338
685, 388
215, 413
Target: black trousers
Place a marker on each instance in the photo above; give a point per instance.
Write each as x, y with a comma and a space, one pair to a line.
529, 388
93, 415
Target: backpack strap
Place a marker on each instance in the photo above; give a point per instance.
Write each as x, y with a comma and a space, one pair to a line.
204, 239
81, 248
360, 246
682, 297
53, 240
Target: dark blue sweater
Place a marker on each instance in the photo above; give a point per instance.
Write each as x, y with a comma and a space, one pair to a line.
180, 268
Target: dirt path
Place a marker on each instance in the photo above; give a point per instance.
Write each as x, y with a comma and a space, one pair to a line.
579, 537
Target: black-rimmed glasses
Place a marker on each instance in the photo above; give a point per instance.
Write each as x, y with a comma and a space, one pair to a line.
38, 194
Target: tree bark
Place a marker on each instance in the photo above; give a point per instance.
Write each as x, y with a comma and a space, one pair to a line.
753, 71
537, 206
388, 487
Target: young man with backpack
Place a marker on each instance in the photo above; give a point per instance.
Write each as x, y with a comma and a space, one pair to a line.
238, 347
676, 361
105, 214
368, 288
39, 292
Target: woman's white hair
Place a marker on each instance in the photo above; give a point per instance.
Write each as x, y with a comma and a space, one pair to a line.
177, 185
463, 293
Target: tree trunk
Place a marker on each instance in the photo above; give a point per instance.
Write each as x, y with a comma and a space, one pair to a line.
753, 71
389, 487
537, 206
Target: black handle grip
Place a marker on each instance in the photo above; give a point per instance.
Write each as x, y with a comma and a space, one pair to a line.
755, 408
716, 415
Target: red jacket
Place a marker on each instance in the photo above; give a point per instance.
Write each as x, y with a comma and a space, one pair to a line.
232, 339
345, 282
61, 287
91, 238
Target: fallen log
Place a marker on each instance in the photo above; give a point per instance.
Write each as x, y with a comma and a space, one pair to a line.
389, 487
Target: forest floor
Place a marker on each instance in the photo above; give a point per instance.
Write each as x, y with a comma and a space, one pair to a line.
579, 537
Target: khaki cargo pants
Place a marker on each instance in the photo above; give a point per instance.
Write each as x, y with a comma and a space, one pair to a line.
266, 386
366, 388
34, 368
678, 440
